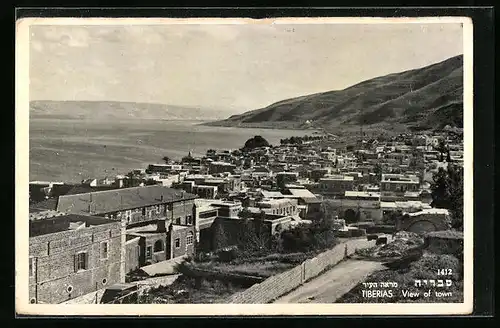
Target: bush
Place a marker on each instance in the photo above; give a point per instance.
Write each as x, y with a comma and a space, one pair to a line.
313, 237
358, 232
381, 229
343, 233
228, 255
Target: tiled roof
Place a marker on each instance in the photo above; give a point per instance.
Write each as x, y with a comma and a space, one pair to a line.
120, 199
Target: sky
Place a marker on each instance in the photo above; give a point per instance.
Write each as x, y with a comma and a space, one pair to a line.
229, 67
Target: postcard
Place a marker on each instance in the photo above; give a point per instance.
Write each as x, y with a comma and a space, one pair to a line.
230, 166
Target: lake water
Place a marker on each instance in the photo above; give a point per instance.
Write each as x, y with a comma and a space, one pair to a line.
72, 150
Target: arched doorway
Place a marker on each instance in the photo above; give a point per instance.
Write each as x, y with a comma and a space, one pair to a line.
422, 226
350, 216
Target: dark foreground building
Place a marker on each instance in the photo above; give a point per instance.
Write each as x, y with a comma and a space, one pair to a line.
73, 255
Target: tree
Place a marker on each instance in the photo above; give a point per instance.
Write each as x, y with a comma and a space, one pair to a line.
221, 236
447, 192
255, 142
455, 174
377, 169
252, 237
166, 159
318, 235
245, 213
441, 148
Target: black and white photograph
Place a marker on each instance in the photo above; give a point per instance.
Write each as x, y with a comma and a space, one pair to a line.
238, 165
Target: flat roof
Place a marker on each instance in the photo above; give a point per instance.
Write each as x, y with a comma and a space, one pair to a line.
362, 194
150, 229
276, 201
406, 204
270, 194
222, 163
337, 178
400, 178
164, 165
303, 193
430, 211
205, 187
45, 182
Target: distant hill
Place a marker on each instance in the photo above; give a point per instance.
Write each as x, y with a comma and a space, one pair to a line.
418, 99
109, 110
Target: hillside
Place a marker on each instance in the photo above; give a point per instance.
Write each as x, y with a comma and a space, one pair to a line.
424, 98
110, 110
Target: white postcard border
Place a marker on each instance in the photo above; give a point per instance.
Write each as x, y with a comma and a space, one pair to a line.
22, 181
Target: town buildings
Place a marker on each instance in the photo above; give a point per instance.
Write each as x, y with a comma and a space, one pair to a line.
335, 185
169, 211
395, 187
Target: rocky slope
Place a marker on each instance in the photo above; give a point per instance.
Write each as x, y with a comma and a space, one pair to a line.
418, 99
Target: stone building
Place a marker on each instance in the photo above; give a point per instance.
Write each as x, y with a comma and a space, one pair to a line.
160, 221
358, 206
335, 185
425, 220
395, 187
73, 255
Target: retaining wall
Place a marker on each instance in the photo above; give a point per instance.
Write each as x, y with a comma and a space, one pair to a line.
246, 280
283, 283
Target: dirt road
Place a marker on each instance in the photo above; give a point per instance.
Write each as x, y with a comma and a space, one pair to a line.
331, 285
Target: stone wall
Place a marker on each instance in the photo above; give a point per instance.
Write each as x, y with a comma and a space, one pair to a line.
278, 285
54, 278
132, 257
271, 288
445, 242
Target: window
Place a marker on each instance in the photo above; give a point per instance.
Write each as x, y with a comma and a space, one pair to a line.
178, 220
144, 211
149, 252
177, 242
189, 219
104, 250
158, 247
32, 266
81, 261
190, 238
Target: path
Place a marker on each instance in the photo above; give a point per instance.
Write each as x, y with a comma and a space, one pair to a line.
331, 285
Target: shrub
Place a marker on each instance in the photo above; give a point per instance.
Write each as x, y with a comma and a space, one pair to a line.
358, 232
228, 255
318, 235
381, 229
